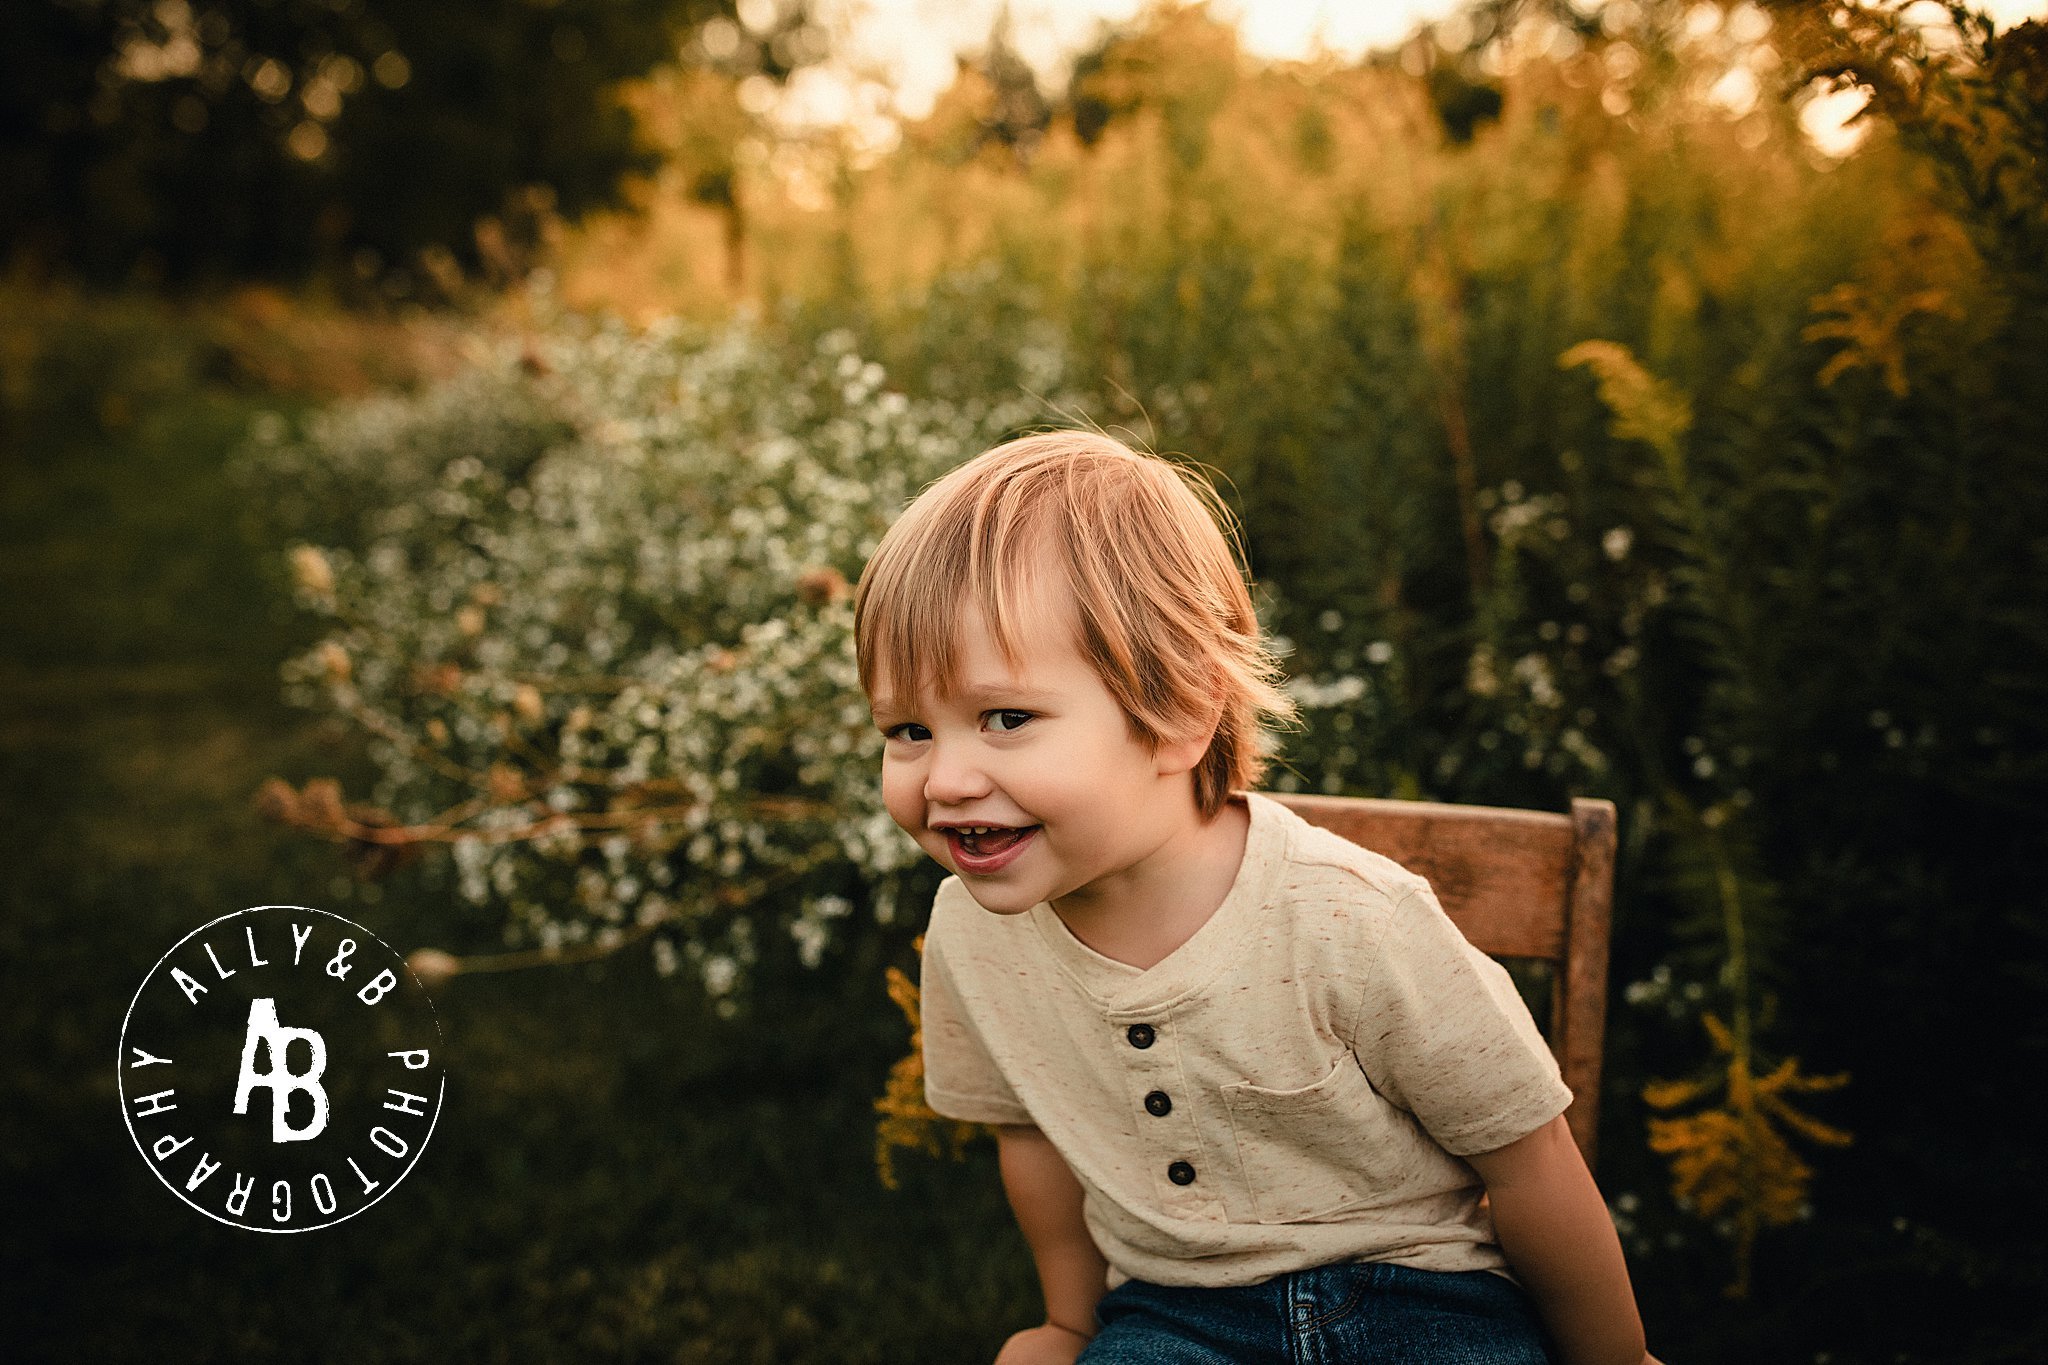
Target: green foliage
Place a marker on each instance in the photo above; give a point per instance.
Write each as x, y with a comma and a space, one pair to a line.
117, 539
238, 138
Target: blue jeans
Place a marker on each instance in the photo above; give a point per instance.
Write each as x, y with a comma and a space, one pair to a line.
1351, 1313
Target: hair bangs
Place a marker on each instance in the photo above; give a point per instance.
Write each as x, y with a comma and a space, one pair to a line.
945, 556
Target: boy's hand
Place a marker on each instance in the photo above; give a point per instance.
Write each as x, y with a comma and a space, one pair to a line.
1045, 1344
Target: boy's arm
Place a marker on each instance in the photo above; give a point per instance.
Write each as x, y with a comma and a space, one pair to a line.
1047, 1201
1555, 1230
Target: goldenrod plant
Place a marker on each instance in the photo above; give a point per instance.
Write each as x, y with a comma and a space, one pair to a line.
1730, 1157
908, 1122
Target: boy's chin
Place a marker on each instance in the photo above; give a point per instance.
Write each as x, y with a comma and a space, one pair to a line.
1005, 905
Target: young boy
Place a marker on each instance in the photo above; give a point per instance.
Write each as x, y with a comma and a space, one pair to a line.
1249, 1082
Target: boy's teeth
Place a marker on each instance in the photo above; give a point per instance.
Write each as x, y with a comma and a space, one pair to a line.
998, 838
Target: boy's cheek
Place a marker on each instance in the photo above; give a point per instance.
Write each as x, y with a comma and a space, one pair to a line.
906, 812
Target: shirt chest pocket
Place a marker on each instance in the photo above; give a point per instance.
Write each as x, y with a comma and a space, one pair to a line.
1318, 1151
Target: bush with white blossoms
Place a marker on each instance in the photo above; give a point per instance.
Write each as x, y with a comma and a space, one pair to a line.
615, 674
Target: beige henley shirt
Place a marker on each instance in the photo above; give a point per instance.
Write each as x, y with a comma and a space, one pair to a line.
1290, 1087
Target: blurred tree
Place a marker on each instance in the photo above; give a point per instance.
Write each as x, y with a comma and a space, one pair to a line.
1019, 114
1181, 61
994, 101
187, 139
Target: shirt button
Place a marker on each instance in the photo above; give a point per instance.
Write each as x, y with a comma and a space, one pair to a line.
1159, 1104
1180, 1173
1140, 1035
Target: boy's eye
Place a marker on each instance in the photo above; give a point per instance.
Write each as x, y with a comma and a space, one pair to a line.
1012, 723
896, 731
1022, 717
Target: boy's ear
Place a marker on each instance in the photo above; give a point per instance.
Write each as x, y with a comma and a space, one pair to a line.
1181, 755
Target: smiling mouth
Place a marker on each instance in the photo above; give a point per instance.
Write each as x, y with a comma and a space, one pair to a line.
990, 844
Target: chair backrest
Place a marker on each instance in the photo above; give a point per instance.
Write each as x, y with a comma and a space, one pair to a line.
1519, 884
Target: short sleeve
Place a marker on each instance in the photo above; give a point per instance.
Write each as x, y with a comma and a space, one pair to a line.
961, 1079
1442, 1032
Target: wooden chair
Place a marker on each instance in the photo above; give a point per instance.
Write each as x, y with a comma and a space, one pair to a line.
1519, 884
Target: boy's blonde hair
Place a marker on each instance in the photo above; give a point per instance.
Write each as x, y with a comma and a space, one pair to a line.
1139, 544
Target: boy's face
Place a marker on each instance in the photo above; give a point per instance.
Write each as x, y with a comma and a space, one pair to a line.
1046, 751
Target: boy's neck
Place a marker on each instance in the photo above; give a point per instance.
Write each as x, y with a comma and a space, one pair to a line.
1158, 904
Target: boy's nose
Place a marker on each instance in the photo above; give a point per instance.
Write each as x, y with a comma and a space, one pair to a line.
954, 777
